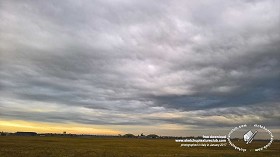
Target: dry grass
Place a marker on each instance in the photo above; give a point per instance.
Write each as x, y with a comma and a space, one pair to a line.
115, 147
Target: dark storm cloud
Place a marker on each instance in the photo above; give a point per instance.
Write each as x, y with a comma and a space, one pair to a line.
133, 58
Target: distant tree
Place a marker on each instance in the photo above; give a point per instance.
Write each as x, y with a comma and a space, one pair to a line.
128, 135
152, 136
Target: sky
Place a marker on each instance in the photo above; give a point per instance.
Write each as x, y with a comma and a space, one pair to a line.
170, 67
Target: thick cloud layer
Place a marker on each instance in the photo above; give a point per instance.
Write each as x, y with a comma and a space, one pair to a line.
140, 62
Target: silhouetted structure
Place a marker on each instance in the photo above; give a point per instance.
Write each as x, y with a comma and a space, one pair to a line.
25, 133
3, 133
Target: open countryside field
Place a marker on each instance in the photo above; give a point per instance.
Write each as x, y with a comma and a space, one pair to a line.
12, 146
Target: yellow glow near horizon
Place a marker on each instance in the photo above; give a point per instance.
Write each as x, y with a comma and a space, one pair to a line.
39, 127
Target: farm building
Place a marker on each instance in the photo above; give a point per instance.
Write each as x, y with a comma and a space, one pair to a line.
26, 133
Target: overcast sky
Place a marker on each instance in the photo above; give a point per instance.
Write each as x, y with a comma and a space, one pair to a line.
166, 66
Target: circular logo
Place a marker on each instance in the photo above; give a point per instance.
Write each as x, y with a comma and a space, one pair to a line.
248, 137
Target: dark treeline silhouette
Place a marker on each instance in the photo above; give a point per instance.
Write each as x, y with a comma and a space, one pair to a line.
64, 134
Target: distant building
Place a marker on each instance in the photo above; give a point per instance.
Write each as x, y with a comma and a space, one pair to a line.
25, 133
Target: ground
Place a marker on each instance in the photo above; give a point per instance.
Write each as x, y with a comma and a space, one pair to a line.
12, 146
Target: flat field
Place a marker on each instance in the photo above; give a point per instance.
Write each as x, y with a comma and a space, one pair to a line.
12, 146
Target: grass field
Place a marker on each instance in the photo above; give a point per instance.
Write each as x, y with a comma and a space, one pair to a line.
12, 146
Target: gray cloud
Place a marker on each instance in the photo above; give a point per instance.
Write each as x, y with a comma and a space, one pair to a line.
130, 58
